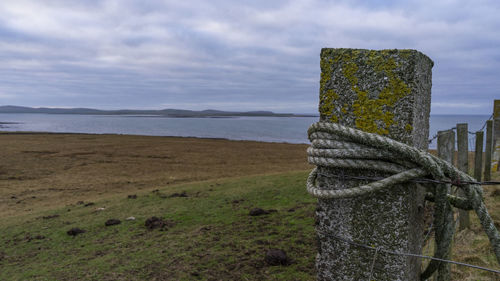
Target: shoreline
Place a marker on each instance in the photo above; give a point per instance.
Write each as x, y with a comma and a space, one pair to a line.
139, 135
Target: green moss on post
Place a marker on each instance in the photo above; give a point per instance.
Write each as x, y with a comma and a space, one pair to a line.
385, 92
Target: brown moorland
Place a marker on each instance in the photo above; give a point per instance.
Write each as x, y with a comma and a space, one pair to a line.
40, 171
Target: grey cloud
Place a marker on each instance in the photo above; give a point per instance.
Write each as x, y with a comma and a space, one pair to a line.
223, 54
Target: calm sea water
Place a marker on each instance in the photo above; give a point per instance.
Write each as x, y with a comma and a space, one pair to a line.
268, 129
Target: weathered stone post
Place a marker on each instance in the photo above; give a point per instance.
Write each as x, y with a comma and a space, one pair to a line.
385, 92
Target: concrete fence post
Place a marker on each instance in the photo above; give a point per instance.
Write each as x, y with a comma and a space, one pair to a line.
385, 92
478, 155
446, 151
463, 165
488, 150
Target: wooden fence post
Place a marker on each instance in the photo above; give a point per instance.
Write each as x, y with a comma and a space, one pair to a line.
478, 155
385, 92
496, 133
463, 165
446, 151
488, 150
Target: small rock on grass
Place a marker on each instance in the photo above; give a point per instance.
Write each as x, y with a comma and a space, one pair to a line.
112, 222
75, 231
276, 257
130, 219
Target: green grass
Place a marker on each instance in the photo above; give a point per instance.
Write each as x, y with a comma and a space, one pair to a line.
213, 237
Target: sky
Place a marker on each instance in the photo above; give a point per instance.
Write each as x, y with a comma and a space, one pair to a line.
234, 55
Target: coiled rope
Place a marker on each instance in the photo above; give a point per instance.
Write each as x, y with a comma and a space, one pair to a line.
337, 146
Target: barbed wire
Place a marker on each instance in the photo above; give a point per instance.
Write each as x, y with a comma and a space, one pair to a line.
437, 134
420, 180
379, 249
485, 122
470, 132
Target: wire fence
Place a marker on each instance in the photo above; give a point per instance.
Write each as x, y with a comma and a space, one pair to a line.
435, 136
455, 182
382, 250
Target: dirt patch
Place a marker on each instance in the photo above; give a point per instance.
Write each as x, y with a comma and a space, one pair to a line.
276, 257
112, 222
50, 217
259, 212
75, 231
495, 192
158, 223
182, 194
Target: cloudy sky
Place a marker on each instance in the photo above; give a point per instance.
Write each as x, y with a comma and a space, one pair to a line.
234, 55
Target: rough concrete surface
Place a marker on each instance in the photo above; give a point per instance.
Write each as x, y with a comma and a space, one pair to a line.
385, 92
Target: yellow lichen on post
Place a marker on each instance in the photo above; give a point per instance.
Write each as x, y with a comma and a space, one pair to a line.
328, 97
371, 110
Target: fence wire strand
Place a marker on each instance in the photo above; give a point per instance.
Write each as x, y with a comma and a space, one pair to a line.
379, 249
470, 132
420, 180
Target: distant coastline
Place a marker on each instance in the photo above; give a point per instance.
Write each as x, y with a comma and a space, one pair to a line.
173, 113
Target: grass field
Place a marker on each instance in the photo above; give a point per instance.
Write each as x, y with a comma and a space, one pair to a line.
203, 190
211, 235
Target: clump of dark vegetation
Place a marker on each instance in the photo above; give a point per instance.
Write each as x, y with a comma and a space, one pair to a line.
133, 196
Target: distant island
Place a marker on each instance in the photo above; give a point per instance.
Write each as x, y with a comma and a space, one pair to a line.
175, 113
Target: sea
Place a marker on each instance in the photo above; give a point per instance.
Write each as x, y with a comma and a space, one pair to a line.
266, 129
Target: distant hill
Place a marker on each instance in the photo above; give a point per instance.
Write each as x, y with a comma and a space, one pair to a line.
163, 112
